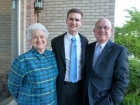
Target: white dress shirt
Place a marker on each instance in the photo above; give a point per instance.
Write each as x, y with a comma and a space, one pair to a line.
67, 45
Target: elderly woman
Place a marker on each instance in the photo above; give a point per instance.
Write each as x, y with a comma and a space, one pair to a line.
32, 77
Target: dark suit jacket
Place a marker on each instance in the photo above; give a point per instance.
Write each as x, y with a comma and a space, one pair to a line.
59, 50
108, 79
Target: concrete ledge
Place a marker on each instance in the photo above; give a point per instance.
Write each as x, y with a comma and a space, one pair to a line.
6, 101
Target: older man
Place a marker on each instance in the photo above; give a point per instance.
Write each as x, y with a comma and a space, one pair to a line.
106, 68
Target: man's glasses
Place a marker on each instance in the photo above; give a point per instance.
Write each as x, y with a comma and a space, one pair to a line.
100, 27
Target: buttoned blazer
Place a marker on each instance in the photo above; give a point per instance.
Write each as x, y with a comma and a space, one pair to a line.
108, 78
59, 50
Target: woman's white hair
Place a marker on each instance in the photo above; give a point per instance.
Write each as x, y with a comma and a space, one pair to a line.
36, 26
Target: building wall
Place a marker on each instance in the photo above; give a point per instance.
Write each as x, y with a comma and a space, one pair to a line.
13, 34
9, 36
29, 18
5, 43
23, 25
54, 15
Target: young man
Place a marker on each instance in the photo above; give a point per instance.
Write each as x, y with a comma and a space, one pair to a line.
106, 72
69, 90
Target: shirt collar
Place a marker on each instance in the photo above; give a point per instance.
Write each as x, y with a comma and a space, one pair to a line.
37, 53
69, 36
102, 45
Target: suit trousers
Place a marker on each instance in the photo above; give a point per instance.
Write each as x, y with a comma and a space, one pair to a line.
71, 94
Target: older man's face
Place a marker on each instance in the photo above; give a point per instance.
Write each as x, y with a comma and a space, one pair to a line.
39, 40
103, 30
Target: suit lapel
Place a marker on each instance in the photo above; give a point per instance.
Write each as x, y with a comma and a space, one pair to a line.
82, 46
61, 46
105, 52
91, 52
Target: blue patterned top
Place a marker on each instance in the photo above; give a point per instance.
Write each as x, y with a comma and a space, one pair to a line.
32, 78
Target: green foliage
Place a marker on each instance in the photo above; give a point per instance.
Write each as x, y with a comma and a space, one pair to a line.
132, 95
130, 42
131, 99
129, 36
131, 26
134, 77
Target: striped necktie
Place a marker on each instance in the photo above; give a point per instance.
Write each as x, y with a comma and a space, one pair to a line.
96, 53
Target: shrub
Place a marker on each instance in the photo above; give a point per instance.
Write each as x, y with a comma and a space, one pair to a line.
130, 42
134, 76
132, 95
131, 99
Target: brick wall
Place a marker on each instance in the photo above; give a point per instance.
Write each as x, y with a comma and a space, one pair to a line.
5, 43
54, 15
29, 18
8, 37
23, 26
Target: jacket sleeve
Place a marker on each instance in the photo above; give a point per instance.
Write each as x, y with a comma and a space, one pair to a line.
121, 77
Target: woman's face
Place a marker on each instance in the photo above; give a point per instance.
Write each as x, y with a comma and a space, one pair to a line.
39, 40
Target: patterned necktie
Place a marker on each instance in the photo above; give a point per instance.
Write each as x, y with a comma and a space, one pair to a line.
96, 53
73, 60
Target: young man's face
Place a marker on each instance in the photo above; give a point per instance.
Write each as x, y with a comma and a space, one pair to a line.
74, 22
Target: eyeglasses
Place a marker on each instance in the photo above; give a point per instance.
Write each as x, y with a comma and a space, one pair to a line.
100, 27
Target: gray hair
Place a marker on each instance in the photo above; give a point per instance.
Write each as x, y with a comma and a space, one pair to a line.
36, 26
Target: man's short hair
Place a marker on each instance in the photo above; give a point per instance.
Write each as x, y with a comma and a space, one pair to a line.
75, 10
